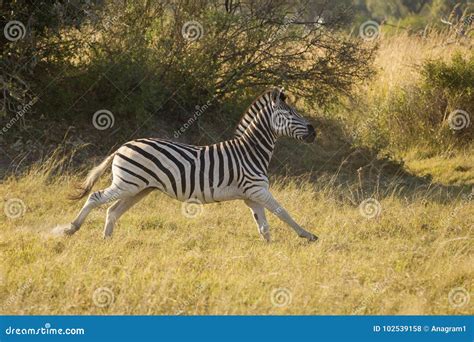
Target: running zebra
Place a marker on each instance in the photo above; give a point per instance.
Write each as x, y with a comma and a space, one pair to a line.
229, 170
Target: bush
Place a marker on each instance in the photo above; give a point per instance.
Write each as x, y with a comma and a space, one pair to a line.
434, 114
151, 59
454, 80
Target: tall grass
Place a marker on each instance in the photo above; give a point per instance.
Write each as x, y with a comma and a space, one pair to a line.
404, 106
414, 257
408, 259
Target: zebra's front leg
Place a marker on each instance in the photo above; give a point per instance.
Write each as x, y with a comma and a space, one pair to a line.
266, 199
258, 212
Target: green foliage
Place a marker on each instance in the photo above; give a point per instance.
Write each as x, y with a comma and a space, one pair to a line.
419, 115
455, 78
136, 60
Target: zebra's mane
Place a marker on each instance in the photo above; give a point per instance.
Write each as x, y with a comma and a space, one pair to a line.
251, 113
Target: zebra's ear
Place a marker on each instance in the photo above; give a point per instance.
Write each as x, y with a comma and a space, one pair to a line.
278, 94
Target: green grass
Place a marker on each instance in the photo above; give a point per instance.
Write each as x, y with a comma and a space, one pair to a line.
454, 170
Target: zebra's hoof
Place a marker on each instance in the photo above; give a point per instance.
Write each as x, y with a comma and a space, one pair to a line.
64, 230
266, 236
70, 230
312, 238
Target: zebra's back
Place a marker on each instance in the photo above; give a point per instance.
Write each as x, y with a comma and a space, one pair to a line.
207, 173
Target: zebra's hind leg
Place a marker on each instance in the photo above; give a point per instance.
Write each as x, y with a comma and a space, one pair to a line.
258, 212
116, 210
93, 201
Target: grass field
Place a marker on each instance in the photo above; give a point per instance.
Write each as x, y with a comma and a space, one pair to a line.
414, 257
409, 252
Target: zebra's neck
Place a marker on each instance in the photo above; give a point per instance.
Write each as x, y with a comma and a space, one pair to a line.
261, 103
258, 139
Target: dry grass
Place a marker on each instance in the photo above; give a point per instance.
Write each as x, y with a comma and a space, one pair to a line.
458, 169
400, 57
396, 112
406, 261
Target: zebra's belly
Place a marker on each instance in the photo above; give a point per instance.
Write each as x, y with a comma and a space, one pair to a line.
211, 195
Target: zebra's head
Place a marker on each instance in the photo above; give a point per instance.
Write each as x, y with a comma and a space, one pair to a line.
286, 121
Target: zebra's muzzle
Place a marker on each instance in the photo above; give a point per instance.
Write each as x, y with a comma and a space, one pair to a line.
311, 135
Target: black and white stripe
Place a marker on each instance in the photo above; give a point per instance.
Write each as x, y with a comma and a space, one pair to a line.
228, 170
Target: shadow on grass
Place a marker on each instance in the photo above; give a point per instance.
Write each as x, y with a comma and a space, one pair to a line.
333, 161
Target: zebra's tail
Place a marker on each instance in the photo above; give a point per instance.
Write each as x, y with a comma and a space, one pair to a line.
91, 179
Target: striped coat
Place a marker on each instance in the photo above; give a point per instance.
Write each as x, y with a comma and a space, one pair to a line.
229, 170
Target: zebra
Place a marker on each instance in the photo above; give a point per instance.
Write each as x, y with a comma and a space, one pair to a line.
234, 169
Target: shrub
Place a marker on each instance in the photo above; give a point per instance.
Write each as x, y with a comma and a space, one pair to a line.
138, 61
434, 113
